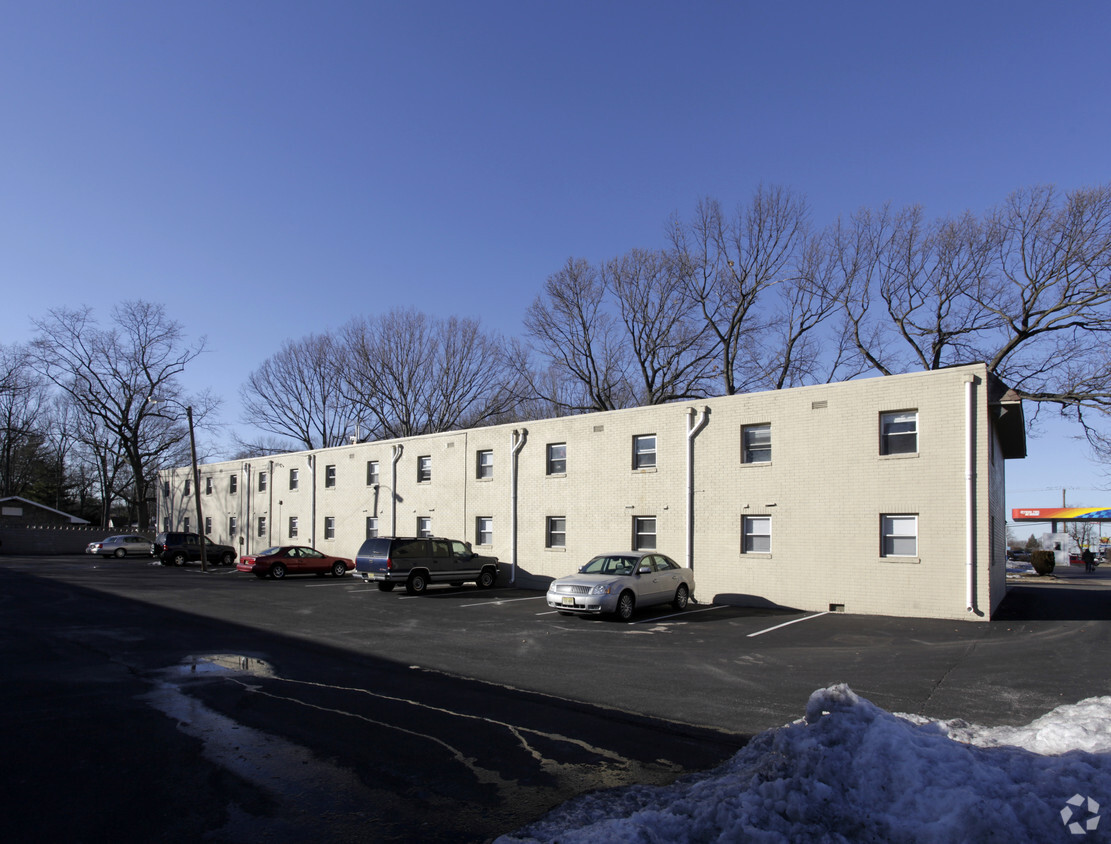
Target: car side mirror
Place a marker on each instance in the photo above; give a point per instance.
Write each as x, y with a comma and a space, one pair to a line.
644, 570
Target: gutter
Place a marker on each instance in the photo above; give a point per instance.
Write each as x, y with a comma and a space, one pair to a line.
516, 444
693, 429
970, 490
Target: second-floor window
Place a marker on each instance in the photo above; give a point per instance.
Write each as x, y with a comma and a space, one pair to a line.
424, 469
899, 432
644, 451
262, 482
208, 486
294, 478
233, 484
329, 477
372, 473
485, 467
756, 444
557, 459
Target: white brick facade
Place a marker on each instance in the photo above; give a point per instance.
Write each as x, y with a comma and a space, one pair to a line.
826, 490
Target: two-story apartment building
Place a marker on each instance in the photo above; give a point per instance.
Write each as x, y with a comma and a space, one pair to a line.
880, 495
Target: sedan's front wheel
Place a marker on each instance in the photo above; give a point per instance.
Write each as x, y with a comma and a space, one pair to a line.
626, 604
682, 598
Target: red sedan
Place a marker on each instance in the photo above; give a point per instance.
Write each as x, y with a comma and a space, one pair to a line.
293, 559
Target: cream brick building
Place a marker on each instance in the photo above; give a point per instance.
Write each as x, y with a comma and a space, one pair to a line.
880, 496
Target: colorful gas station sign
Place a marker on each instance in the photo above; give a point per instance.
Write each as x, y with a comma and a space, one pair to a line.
1060, 514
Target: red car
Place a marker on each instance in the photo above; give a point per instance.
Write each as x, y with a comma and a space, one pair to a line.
293, 559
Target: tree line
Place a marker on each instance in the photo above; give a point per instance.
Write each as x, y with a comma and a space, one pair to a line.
756, 298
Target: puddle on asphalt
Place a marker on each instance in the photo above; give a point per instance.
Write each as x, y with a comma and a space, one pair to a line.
221, 665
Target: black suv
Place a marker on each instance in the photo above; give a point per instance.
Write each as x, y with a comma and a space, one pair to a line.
417, 562
175, 548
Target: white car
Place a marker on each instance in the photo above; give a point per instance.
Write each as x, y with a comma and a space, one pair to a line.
618, 583
122, 546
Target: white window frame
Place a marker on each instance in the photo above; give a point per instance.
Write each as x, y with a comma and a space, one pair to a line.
293, 527
372, 473
424, 526
895, 531
484, 530
484, 464
556, 465
893, 443
756, 449
424, 469
208, 485
644, 533
329, 527
261, 526
756, 534
330, 476
233, 526
371, 527
263, 480
294, 479
644, 451
207, 525
555, 532
233, 484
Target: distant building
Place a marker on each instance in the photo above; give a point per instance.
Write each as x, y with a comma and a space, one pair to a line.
881, 495
22, 512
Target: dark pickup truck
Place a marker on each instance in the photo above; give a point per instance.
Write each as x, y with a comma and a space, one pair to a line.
417, 562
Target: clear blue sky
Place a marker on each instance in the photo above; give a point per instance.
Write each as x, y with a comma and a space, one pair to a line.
270, 169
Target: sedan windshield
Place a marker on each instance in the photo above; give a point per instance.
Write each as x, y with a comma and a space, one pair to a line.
609, 565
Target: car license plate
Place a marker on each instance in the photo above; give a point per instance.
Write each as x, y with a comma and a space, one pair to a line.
568, 601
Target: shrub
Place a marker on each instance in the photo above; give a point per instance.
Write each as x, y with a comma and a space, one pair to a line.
1043, 562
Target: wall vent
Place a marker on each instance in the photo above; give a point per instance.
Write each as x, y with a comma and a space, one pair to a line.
599, 428
836, 607
819, 405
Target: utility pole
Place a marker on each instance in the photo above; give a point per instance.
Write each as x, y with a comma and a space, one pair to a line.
197, 490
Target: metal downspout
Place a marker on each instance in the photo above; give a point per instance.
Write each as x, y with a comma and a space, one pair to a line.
693, 429
397, 450
516, 444
247, 508
970, 490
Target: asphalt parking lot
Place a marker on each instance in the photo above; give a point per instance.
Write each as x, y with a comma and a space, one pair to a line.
364, 678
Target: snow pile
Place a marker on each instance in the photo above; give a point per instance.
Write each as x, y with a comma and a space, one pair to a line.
850, 771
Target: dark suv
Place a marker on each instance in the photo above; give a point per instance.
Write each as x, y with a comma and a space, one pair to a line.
176, 548
417, 562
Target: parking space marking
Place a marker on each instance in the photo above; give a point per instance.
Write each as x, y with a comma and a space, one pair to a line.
787, 624
654, 618
504, 601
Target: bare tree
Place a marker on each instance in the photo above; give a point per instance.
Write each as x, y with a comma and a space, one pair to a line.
298, 393
731, 263
570, 328
124, 380
23, 401
407, 373
669, 351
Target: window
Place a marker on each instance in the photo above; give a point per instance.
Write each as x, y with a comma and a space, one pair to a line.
557, 458
294, 478
371, 527
330, 477
424, 469
292, 527
556, 532
329, 527
188, 486
262, 525
233, 524
485, 467
233, 484
166, 488
484, 530
262, 482
208, 486
424, 526
756, 444
899, 432
372, 473
644, 451
185, 524
207, 525
899, 536
756, 535
644, 533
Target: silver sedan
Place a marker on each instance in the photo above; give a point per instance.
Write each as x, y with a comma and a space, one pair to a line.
618, 583
122, 546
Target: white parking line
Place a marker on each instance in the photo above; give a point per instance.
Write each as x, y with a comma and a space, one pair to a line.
655, 618
787, 624
504, 601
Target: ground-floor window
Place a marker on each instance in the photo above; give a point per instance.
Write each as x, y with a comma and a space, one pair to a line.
644, 533
424, 526
556, 532
484, 530
262, 525
371, 527
899, 535
292, 527
207, 525
756, 534
329, 527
